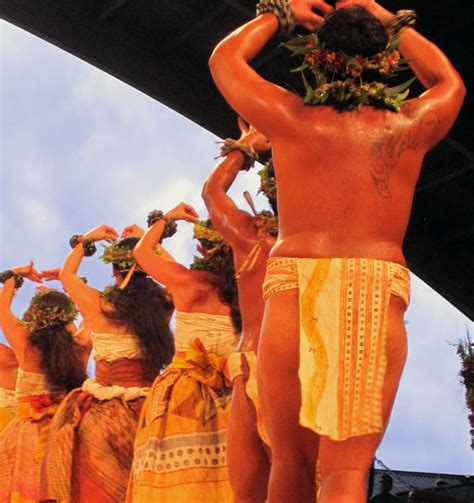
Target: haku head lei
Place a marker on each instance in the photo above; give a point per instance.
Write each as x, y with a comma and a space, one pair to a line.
212, 246
339, 78
39, 316
123, 258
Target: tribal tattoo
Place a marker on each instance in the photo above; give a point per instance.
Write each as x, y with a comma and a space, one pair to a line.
386, 153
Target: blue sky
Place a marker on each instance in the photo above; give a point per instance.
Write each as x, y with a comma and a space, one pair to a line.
80, 148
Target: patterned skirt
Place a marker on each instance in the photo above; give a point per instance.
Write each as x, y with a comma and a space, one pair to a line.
22, 448
90, 447
180, 447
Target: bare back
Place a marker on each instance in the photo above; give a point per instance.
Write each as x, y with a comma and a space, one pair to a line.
356, 174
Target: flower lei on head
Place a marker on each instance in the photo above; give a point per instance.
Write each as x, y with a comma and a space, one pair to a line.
348, 90
40, 317
123, 257
116, 254
213, 245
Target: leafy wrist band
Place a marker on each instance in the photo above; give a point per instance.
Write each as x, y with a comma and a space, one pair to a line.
249, 153
282, 10
401, 19
170, 225
87, 244
10, 274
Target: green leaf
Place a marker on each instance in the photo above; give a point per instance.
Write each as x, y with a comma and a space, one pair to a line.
391, 91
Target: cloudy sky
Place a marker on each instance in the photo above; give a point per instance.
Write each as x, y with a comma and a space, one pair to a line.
80, 148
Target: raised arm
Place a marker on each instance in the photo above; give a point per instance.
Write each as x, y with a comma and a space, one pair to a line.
15, 333
265, 105
438, 107
135, 231
88, 299
231, 222
169, 273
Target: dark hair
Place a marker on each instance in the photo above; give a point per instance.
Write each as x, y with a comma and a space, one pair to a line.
354, 31
60, 354
226, 284
145, 308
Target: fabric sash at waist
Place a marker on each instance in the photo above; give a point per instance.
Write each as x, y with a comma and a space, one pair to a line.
124, 372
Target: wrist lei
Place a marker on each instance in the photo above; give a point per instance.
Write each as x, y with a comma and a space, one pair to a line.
249, 153
10, 274
87, 244
170, 225
282, 10
401, 19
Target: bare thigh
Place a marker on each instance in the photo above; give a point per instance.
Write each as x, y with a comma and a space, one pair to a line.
357, 453
278, 382
247, 459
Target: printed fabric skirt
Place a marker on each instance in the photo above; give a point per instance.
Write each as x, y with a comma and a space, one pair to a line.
22, 448
90, 448
180, 446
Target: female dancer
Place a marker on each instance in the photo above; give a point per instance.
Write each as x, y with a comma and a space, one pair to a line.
8, 368
51, 364
89, 453
180, 447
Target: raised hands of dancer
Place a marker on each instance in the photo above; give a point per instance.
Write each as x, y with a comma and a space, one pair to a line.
102, 233
252, 137
303, 11
51, 274
28, 272
132, 231
183, 212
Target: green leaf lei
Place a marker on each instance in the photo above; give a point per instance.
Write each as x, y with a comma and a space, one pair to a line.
116, 254
212, 242
39, 317
338, 77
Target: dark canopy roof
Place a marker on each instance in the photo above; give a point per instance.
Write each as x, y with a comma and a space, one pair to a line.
162, 48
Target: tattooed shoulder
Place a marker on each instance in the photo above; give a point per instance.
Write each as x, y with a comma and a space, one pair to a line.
388, 151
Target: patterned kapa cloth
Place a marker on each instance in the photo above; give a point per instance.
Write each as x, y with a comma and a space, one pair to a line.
23, 442
343, 307
180, 447
90, 447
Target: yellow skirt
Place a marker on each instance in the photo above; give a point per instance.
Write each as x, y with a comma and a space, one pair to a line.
180, 445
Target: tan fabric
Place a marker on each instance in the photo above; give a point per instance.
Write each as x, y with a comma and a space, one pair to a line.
7, 399
215, 332
110, 347
343, 328
30, 384
235, 369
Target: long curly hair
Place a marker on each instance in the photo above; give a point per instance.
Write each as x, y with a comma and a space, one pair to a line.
354, 31
60, 354
145, 308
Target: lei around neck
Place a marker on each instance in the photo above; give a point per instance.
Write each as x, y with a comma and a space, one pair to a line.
339, 78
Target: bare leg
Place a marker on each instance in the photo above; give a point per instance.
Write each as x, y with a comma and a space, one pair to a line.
345, 465
294, 448
248, 462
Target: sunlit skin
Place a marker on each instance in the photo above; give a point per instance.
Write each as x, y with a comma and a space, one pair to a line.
192, 291
247, 459
345, 189
27, 356
8, 366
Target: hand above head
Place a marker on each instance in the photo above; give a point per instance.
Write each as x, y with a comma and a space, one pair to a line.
102, 232
28, 272
253, 138
183, 212
50, 274
305, 15
132, 231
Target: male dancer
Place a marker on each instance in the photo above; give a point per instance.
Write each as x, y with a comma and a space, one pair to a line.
333, 341
251, 239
